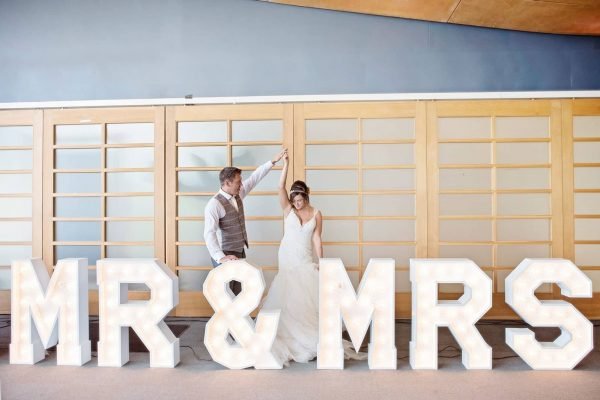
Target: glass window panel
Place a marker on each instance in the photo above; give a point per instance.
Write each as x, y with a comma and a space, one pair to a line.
512, 255
130, 206
262, 206
502, 275
253, 155
386, 231
388, 154
585, 255
263, 256
198, 181
130, 182
522, 153
130, 251
587, 178
204, 156
465, 179
16, 207
587, 203
269, 183
588, 152
595, 277
133, 157
142, 132
77, 207
586, 126
465, 204
388, 179
255, 131
332, 154
389, 204
129, 231
15, 183
523, 229
15, 231
465, 230
464, 127
77, 158
348, 254
16, 136
403, 284
15, 159
191, 281
481, 255
5, 278
192, 206
465, 153
190, 231
587, 229
324, 180
335, 205
92, 253
202, 131
524, 204
523, 178
8, 254
76, 231
331, 129
193, 256
401, 254
78, 134
77, 183
388, 128
527, 127
264, 231
340, 231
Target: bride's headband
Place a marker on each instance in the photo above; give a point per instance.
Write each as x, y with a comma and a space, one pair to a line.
297, 191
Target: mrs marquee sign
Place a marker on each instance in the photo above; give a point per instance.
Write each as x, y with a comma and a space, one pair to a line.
48, 311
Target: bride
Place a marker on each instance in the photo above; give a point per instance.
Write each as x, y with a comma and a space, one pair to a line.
295, 289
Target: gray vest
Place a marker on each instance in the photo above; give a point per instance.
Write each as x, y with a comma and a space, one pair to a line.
232, 225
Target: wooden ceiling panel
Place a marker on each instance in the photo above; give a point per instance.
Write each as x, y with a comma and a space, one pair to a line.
430, 10
579, 17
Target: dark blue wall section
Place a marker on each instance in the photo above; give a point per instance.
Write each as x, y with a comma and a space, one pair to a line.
112, 49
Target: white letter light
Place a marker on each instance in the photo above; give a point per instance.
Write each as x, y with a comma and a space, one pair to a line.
576, 337
459, 315
253, 347
373, 305
37, 301
144, 317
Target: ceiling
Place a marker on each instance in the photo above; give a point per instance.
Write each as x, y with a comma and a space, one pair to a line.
576, 17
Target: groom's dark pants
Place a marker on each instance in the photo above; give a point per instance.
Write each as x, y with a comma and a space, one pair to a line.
235, 286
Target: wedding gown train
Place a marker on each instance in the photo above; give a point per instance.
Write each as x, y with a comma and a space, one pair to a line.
295, 291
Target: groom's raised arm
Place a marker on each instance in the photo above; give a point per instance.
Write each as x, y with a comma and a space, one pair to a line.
258, 174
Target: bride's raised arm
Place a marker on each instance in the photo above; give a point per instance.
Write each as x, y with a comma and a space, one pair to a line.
283, 195
316, 238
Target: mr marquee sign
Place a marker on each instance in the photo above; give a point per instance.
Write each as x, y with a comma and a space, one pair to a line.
48, 311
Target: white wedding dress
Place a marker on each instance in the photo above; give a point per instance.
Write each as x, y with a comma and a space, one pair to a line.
295, 292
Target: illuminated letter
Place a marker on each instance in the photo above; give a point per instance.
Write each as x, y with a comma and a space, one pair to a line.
374, 304
459, 315
576, 337
37, 301
144, 317
253, 347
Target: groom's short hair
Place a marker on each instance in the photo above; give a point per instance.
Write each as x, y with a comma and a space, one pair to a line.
228, 174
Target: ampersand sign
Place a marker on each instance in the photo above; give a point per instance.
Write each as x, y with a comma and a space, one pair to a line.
232, 317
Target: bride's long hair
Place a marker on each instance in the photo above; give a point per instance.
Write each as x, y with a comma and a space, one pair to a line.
299, 188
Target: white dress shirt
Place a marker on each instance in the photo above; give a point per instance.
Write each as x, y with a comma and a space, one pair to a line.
215, 210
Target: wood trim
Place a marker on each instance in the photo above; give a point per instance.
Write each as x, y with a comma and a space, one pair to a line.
38, 194
48, 191
159, 184
433, 177
568, 175
422, 182
171, 188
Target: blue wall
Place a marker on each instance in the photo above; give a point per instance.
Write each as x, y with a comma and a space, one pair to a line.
111, 49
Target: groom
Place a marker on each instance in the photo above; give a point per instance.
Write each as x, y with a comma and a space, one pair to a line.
225, 213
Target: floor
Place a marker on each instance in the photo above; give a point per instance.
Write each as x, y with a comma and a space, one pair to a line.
197, 377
